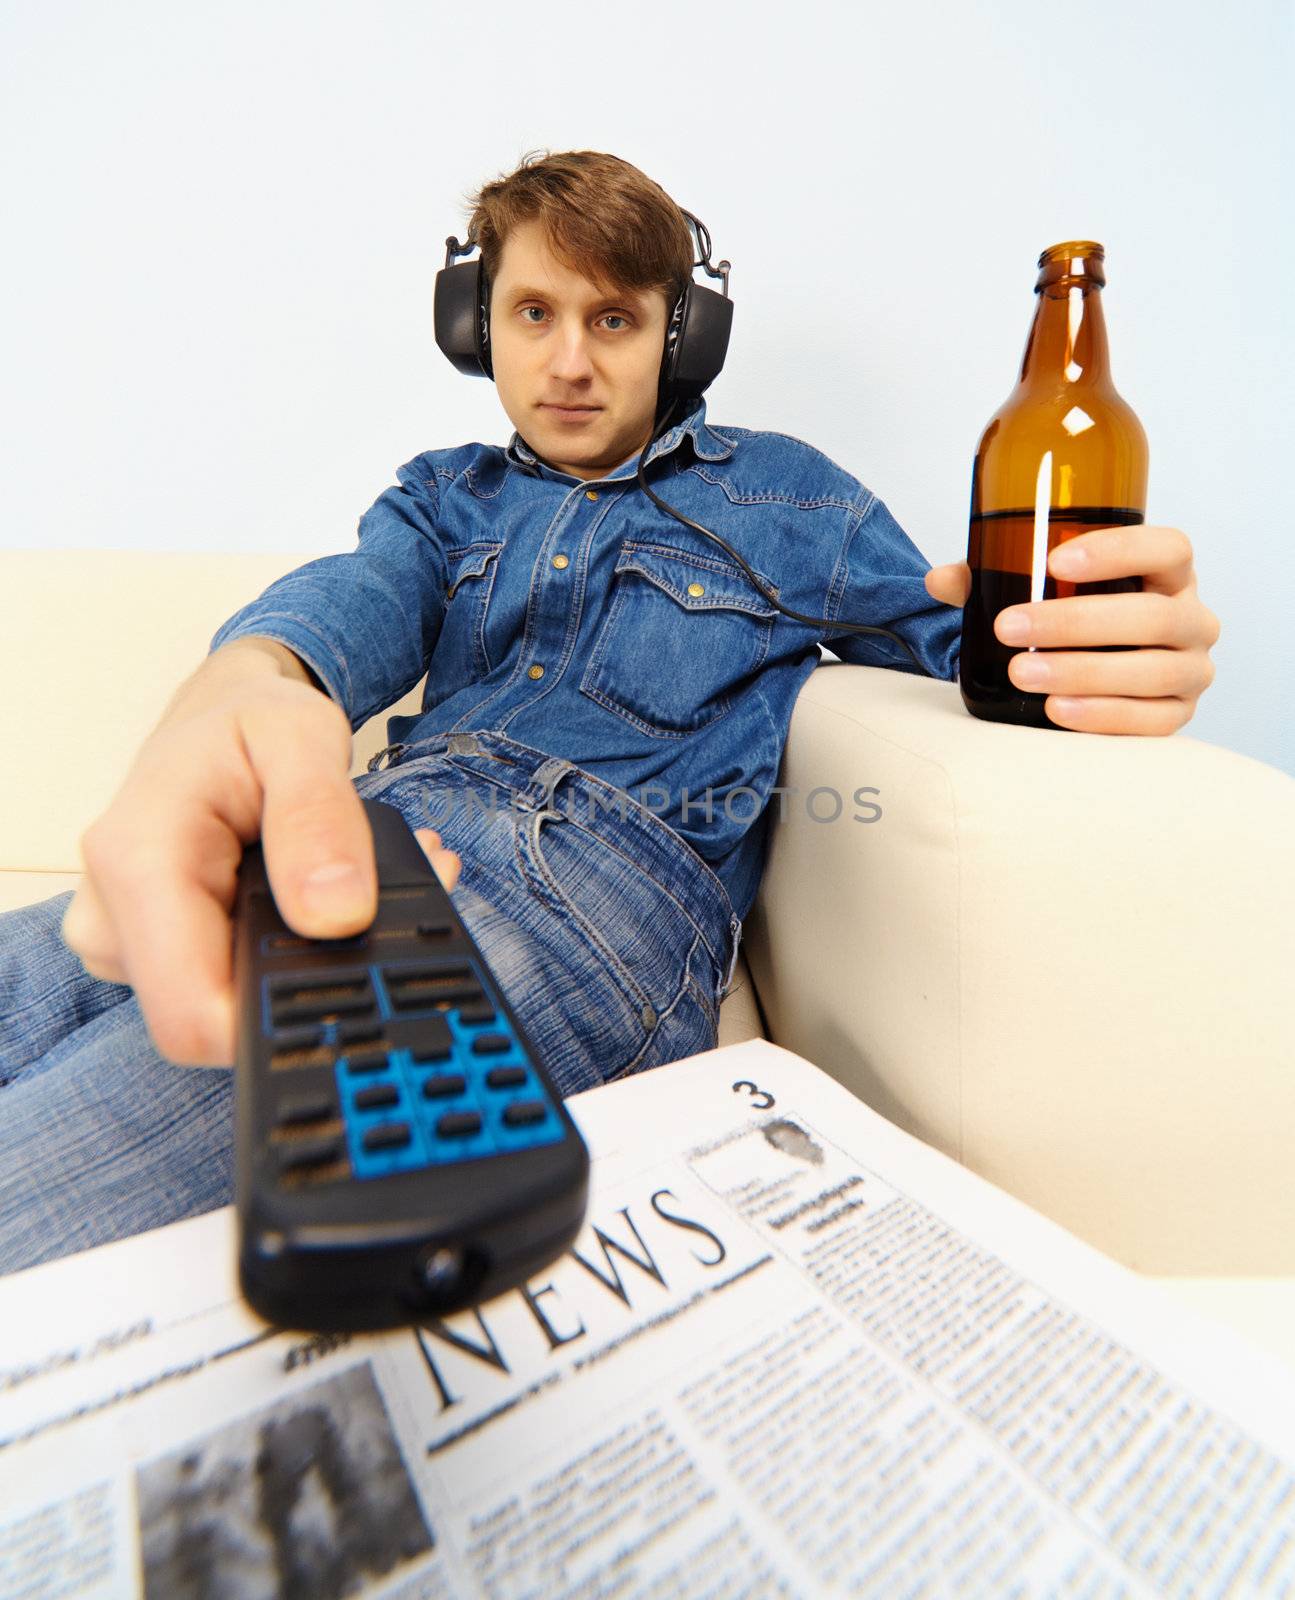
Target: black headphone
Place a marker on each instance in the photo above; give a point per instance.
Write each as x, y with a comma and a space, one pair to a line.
696, 339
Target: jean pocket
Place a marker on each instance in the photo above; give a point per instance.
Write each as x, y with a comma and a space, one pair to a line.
636, 927
460, 653
683, 633
687, 1027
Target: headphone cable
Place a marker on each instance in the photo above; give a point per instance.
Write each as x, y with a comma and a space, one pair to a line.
796, 616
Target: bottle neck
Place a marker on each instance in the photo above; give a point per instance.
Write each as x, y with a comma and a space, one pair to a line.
1067, 343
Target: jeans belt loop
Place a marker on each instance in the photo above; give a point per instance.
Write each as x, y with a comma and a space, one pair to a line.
392, 750
539, 791
735, 930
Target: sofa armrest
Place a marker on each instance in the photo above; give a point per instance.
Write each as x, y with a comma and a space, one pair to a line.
99, 641
1061, 958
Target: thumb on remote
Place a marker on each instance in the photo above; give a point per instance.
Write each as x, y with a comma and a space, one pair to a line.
318, 845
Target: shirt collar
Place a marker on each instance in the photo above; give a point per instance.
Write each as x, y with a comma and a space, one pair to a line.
705, 441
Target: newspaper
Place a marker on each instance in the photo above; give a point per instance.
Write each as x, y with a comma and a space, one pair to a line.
793, 1351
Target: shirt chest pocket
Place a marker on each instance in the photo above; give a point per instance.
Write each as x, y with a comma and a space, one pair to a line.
681, 636
461, 648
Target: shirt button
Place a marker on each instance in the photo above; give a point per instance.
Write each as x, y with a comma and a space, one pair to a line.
696, 589
591, 494
559, 562
535, 672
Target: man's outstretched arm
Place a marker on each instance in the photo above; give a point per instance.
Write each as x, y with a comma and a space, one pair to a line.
246, 749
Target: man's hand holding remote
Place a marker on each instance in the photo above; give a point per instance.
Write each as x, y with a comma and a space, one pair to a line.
249, 748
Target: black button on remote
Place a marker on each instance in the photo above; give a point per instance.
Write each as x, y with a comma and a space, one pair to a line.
434, 1038
408, 971
318, 1010
458, 1124
304, 1036
407, 997
367, 1061
376, 1095
300, 985
388, 1136
523, 1112
477, 1011
299, 1153
444, 1085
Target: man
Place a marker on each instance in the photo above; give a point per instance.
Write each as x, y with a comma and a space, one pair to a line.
602, 683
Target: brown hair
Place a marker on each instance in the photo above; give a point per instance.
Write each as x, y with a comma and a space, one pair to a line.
604, 219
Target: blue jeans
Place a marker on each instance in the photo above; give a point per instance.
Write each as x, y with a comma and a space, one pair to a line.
611, 937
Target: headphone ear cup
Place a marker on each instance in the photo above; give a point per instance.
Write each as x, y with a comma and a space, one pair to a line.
461, 317
483, 323
665, 383
696, 343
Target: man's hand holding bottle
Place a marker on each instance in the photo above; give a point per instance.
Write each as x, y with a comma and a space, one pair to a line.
1150, 689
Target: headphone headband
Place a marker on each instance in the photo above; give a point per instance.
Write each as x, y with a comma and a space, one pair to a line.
697, 331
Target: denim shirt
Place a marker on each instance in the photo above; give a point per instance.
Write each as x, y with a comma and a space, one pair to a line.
580, 619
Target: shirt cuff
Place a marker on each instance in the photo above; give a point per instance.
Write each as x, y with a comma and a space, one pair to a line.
302, 640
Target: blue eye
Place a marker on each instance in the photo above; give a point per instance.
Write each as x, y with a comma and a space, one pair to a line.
611, 316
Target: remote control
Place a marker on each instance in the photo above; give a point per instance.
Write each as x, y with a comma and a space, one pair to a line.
400, 1149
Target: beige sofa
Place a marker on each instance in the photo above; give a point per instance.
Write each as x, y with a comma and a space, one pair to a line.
1064, 960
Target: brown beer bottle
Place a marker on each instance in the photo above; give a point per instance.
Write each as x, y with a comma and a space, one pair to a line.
1062, 455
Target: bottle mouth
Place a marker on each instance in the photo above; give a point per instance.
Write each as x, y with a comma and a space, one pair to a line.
1071, 249
1072, 261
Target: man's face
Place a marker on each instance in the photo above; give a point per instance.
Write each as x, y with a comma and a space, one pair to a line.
576, 364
